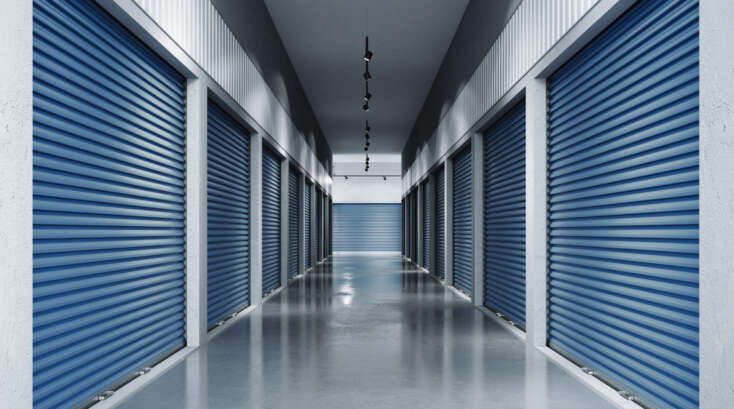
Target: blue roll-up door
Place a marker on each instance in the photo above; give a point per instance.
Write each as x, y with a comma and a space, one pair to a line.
414, 225
108, 204
294, 220
504, 215
367, 226
462, 226
440, 269
270, 221
402, 231
307, 233
228, 215
319, 221
427, 199
623, 204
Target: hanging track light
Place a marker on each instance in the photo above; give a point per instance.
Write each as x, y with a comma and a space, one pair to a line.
367, 53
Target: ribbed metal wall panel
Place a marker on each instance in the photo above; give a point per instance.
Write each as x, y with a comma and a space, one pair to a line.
294, 222
462, 221
198, 28
228, 215
623, 204
108, 204
309, 220
537, 25
504, 215
440, 222
367, 227
427, 200
270, 221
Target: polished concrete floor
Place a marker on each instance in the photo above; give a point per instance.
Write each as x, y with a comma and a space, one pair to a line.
366, 331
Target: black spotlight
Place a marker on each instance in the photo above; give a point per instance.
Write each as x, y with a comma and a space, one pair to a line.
367, 135
367, 96
365, 148
366, 107
367, 75
367, 53
384, 178
346, 177
367, 126
367, 143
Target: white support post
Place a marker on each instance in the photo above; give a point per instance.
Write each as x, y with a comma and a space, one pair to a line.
477, 160
256, 211
716, 194
16, 204
449, 231
284, 222
196, 213
535, 209
301, 231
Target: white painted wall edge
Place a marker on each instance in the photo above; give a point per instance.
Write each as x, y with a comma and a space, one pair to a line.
716, 194
16, 204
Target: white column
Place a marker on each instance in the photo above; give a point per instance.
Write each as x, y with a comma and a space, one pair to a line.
449, 231
716, 191
256, 211
477, 162
284, 199
16, 204
196, 212
535, 210
301, 231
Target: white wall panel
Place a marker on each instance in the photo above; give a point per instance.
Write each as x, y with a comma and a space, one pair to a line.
535, 27
198, 28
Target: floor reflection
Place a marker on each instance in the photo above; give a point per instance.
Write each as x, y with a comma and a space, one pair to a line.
365, 330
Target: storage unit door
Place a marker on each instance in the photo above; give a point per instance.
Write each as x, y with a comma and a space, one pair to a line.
623, 204
228, 215
440, 223
367, 227
331, 225
307, 232
270, 221
426, 225
294, 221
319, 220
462, 226
108, 204
415, 222
504, 215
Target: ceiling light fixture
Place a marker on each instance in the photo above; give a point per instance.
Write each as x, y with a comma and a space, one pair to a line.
366, 107
367, 53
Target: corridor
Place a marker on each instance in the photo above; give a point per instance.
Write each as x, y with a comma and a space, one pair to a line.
365, 330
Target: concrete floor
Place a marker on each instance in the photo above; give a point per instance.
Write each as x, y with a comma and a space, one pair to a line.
366, 331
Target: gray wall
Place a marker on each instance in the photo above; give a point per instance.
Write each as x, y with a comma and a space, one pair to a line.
251, 24
480, 26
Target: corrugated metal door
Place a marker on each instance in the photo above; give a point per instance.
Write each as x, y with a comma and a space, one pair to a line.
504, 215
228, 215
331, 225
427, 225
623, 204
307, 232
294, 221
414, 226
108, 204
319, 221
462, 226
367, 227
270, 221
440, 223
